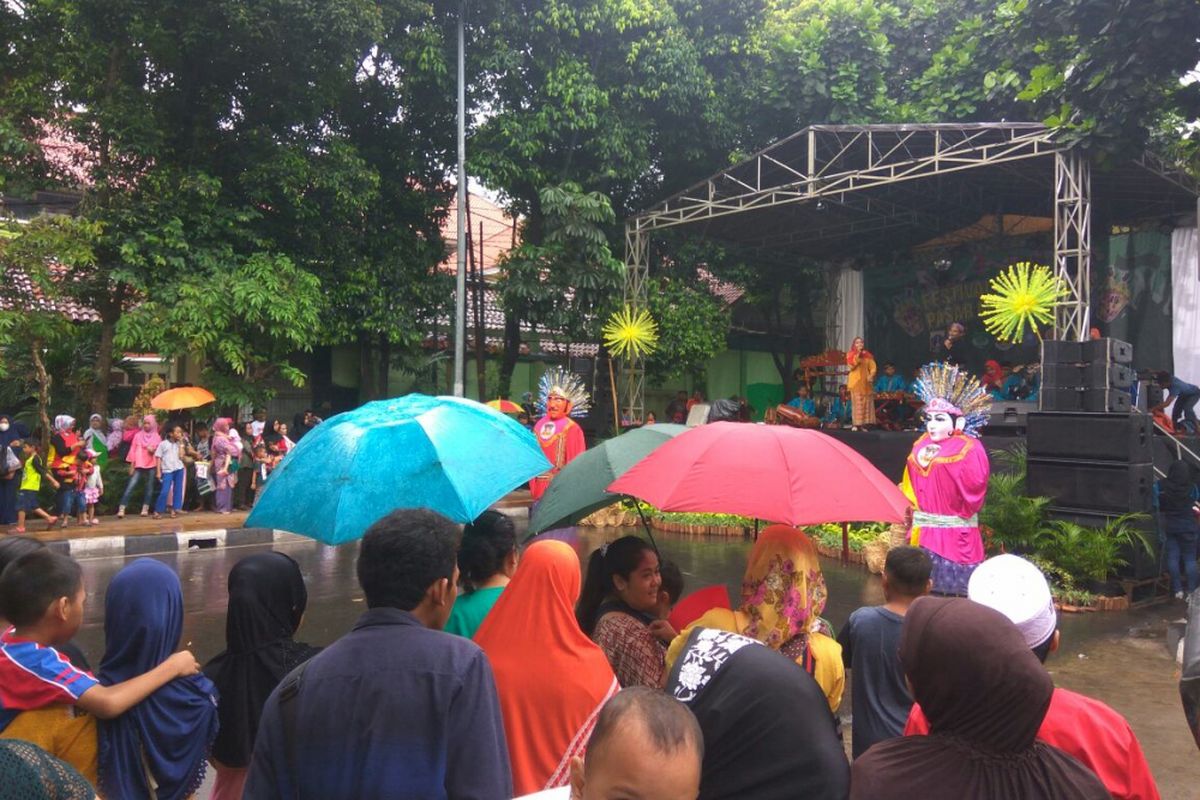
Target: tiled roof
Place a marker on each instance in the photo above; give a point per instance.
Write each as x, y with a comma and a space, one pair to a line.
497, 233
22, 293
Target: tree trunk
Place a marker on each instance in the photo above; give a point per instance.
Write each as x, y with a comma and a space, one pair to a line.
104, 365
43, 379
385, 367
512, 349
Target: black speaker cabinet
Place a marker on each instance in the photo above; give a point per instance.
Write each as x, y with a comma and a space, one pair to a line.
1091, 485
1107, 401
1104, 374
1061, 352
1140, 563
1123, 438
1060, 398
1112, 350
1067, 376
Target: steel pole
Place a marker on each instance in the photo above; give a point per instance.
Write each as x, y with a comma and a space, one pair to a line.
460, 299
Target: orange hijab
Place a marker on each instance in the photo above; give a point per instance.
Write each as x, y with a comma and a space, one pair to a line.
552, 679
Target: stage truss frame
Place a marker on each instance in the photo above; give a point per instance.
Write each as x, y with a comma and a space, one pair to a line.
843, 164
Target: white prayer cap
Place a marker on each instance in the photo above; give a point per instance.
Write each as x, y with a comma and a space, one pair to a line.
1018, 590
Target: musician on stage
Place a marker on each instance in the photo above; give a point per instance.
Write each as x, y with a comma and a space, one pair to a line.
840, 413
803, 402
892, 396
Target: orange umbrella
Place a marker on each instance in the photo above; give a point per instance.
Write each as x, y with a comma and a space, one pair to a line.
183, 397
504, 406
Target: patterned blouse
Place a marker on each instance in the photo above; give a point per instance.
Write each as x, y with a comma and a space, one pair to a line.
634, 652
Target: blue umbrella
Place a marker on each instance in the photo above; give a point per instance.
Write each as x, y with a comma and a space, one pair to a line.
451, 455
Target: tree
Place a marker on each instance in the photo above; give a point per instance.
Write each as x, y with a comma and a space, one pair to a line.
692, 325
565, 282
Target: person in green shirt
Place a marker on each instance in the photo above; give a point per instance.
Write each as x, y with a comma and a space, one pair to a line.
487, 560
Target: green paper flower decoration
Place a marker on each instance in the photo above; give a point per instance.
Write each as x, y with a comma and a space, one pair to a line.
631, 333
1024, 295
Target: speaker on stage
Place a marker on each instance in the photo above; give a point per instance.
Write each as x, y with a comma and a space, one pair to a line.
1108, 350
1107, 401
1092, 485
1061, 352
1122, 438
1060, 398
1067, 376
1105, 374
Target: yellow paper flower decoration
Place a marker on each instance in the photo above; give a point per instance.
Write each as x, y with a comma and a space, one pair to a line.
1025, 294
631, 333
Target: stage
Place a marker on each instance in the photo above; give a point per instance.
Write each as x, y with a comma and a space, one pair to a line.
888, 450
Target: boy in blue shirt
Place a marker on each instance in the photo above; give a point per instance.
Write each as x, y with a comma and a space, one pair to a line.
870, 642
1184, 395
803, 402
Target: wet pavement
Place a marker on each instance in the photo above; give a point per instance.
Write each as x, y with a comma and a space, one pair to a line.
1117, 657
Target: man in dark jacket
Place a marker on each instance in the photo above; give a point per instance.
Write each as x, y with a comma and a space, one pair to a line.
396, 707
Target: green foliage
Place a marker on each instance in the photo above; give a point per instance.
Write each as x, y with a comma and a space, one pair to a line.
1092, 553
568, 279
1016, 521
692, 327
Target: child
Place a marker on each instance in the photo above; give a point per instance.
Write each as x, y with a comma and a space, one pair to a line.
170, 472
32, 472
93, 490
870, 643
669, 592
263, 465
42, 597
85, 468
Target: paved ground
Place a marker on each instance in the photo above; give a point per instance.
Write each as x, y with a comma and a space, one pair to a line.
1103, 655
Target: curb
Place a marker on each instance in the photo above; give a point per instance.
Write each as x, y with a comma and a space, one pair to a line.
152, 543
181, 541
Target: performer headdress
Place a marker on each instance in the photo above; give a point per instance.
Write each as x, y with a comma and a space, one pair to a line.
946, 388
558, 382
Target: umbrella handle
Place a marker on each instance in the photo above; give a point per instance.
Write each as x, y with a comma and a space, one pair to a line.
646, 525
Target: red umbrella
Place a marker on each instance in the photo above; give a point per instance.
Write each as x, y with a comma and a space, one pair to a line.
772, 472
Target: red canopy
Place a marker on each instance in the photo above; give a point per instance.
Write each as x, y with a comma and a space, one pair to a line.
771, 472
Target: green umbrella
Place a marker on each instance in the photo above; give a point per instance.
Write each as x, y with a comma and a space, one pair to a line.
579, 489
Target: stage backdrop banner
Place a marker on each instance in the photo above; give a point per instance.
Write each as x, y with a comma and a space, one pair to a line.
1132, 296
1185, 301
911, 303
847, 320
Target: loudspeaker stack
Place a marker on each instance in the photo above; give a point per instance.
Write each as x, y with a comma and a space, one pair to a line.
1087, 452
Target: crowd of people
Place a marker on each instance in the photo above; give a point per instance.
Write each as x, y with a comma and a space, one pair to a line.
180, 466
478, 671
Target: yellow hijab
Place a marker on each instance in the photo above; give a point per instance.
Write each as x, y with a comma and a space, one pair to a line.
783, 595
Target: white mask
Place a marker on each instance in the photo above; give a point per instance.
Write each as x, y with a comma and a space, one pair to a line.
3, 426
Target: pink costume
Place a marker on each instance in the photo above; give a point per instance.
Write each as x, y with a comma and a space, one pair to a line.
946, 475
953, 484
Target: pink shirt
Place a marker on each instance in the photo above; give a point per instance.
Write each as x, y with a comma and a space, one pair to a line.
141, 449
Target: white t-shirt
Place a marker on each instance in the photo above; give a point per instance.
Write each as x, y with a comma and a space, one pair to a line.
168, 454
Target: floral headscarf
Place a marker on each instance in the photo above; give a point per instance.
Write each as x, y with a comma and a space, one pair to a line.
783, 591
63, 423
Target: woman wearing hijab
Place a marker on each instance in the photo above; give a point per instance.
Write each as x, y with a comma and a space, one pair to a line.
985, 694
10, 467
267, 599
225, 450
142, 464
116, 430
551, 678
1177, 495
158, 748
783, 595
768, 732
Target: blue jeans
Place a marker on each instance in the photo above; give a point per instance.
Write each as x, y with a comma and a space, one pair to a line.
171, 480
1182, 546
1185, 409
134, 480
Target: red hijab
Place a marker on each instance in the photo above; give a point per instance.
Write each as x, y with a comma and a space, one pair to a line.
552, 679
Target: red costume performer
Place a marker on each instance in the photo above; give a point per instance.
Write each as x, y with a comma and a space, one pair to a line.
561, 438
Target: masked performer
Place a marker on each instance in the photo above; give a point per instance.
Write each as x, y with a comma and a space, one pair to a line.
562, 396
947, 474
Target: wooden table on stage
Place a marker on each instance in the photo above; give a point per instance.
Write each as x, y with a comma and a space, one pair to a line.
887, 404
